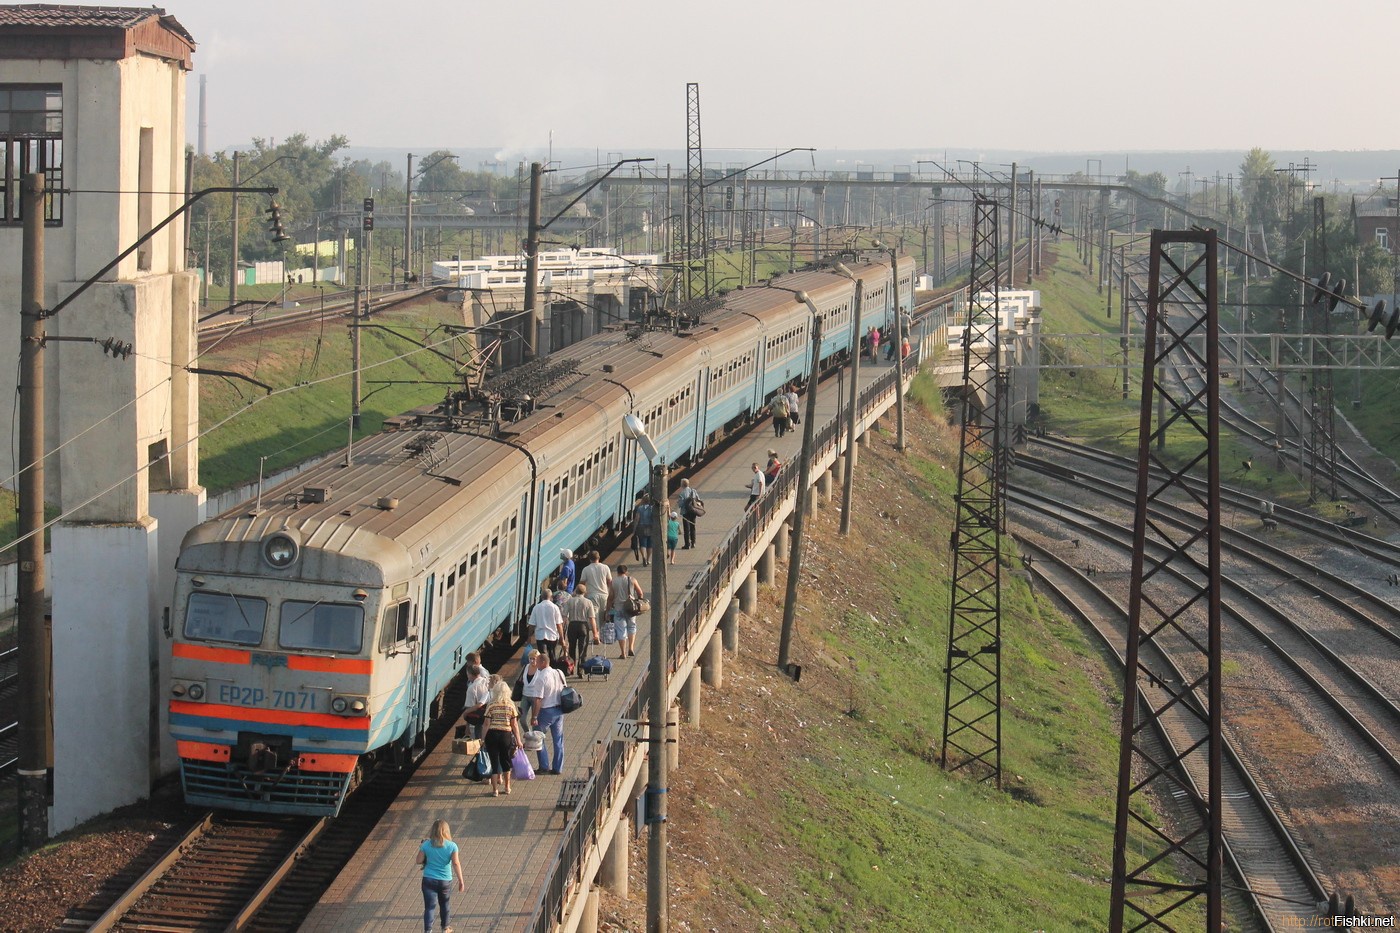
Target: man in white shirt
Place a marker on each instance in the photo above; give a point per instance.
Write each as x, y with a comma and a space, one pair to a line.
547, 625
756, 486
582, 616
545, 715
478, 694
599, 580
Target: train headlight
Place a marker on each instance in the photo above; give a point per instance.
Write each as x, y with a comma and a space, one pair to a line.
280, 550
350, 705
187, 690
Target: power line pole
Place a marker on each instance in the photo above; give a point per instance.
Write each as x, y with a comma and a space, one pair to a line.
408, 223
233, 247
533, 318
804, 492
36, 726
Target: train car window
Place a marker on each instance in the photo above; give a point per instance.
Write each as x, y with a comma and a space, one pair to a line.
471, 588
321, 626
395, 626
224, 617
452, 579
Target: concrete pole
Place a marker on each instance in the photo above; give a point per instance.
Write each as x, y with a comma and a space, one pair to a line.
355, 334
533, 320
902, 332
35, 722
729, 624
233, 247
748, 592
782, 542
614, 867
712, 662
658, 919
850, 470
804, 491
690, 693
408, 223
766, 574
1011, 227
673, 745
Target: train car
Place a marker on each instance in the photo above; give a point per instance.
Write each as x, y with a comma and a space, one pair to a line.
313, 633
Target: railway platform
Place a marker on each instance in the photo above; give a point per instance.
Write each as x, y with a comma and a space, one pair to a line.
529, 861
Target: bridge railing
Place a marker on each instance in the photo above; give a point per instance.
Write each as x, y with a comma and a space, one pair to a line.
705, 589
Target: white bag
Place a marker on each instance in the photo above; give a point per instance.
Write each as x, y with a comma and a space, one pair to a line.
534, 740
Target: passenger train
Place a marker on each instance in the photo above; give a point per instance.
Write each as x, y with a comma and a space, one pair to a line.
314, 632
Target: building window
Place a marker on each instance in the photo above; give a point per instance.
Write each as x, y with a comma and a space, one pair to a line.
31, 140
1383, 238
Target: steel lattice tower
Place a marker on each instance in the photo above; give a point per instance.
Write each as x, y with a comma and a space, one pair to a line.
972, 692
1322, 475
697, 269
1174, 609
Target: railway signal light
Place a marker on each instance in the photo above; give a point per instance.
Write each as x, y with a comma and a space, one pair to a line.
369, 221
274, 224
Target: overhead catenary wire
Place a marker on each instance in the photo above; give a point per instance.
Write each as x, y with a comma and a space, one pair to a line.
214, 427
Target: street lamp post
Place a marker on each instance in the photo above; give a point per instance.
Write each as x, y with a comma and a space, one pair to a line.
804, 491
657, 908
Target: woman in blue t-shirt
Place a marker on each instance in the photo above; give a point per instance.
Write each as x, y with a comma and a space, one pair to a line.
438, 856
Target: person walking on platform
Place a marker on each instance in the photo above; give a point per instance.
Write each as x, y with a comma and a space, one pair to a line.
438, 856
673, 535
583, 624
624, 587
775, 466
545, 714
874, 344
478, 694
778, 408
566, 571
599, 580
547, 626
502, 735
635, 518
793, 403
757, 483
687, 500
646, 524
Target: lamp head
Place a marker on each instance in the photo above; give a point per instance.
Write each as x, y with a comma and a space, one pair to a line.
633, 429
802, 297
841, 268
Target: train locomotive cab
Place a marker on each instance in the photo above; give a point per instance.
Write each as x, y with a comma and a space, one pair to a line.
288, 667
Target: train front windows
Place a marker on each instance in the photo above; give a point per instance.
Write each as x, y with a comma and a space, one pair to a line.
395, 626
223, 617
321, 626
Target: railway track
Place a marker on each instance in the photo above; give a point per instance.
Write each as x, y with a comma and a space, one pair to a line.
1274, 881
1335, 683
241, 871
217, 328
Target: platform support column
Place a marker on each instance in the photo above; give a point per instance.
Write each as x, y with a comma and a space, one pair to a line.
588, 923
766, 574
729, 624
824, 487
748, 593
690, 696
712, 662
614, 868
783, 541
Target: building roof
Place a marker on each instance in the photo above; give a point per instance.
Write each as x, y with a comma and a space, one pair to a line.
53, 30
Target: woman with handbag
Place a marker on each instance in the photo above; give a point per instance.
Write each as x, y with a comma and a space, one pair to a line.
626, 594
502, 735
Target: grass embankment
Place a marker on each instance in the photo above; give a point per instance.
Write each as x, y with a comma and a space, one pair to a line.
820, 805
311, 418
1087, 404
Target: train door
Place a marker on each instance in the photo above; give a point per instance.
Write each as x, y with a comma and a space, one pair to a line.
702, 410
421, 706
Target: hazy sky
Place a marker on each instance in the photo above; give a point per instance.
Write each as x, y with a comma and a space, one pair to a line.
1077, 75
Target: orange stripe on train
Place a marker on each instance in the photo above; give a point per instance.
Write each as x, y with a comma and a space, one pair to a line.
281, 717
203, 751
206, 653
330, 665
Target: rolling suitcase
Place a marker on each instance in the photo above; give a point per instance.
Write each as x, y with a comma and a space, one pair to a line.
597, 666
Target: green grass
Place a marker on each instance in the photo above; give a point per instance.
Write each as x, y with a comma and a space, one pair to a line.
902, 845
311, 419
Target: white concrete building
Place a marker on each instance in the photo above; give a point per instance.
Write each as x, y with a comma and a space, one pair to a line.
94, 97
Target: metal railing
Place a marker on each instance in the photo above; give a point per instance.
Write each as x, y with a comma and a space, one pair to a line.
706, 588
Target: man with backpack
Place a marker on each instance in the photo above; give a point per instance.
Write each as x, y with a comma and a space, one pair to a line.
778, 408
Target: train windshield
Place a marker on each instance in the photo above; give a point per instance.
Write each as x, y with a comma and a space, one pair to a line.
224, 617
322, 626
